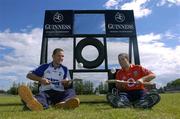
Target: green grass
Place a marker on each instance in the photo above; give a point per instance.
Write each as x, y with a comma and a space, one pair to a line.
93, 107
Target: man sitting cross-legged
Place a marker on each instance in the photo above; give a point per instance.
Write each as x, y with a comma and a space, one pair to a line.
54, 79
130, 89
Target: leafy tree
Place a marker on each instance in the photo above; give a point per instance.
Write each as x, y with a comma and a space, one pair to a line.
14, 89
78, 85
2, 91
103, 88
161, 90
88, 87
175, 83
34, 87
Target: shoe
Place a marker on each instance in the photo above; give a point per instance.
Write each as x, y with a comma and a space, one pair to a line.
141, 104
153, 99
68, 104
148, 102
120, 101
27, 97
123, 101
111, 98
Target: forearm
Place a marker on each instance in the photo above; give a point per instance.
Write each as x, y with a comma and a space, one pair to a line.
148, 78
33, 77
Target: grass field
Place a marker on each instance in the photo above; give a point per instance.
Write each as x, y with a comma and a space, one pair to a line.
93, 107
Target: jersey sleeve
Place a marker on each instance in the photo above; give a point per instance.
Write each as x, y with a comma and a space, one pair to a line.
146, 71
40, 70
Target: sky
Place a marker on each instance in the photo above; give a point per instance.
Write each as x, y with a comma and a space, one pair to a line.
21, 22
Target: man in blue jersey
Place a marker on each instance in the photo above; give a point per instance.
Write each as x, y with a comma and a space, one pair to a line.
54, 79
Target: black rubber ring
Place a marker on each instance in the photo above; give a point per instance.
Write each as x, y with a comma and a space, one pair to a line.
94, 42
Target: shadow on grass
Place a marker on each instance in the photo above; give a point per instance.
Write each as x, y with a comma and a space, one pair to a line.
11, 107
94, 102
90, 103
11, 104
82, 102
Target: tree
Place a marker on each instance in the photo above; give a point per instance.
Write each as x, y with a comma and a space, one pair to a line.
161, 90
88, 87
78, 85
103, 88
14, 89
34, 87
175, 83
2, 91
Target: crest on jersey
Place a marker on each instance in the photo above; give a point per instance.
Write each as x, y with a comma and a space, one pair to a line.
60, 73
135, 73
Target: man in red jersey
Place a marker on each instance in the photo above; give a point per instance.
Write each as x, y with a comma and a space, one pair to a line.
131, 88
132, 73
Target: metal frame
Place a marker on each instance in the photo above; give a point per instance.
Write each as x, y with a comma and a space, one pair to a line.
132, 44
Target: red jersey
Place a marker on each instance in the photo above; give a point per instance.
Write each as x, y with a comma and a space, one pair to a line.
134, 73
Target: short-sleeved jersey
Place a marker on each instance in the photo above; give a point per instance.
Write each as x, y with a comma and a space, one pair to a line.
134, 73
55, 75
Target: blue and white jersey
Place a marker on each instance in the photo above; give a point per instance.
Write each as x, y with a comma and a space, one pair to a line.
54, 75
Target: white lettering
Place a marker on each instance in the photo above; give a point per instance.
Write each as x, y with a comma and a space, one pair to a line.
57, 27
121, 26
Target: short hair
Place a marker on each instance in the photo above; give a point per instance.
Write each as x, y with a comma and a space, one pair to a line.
57, 50
124, 55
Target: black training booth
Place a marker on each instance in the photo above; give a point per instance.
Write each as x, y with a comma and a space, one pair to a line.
117, 24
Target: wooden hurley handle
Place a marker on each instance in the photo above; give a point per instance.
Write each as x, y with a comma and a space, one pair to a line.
126, 82
71, 80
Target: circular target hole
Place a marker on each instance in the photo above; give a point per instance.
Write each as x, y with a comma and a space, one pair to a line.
90, 53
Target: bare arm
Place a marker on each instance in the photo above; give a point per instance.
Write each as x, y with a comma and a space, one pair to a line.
147, 78
34, 77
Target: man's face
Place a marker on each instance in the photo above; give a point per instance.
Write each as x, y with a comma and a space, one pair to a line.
123, 61
58, 57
